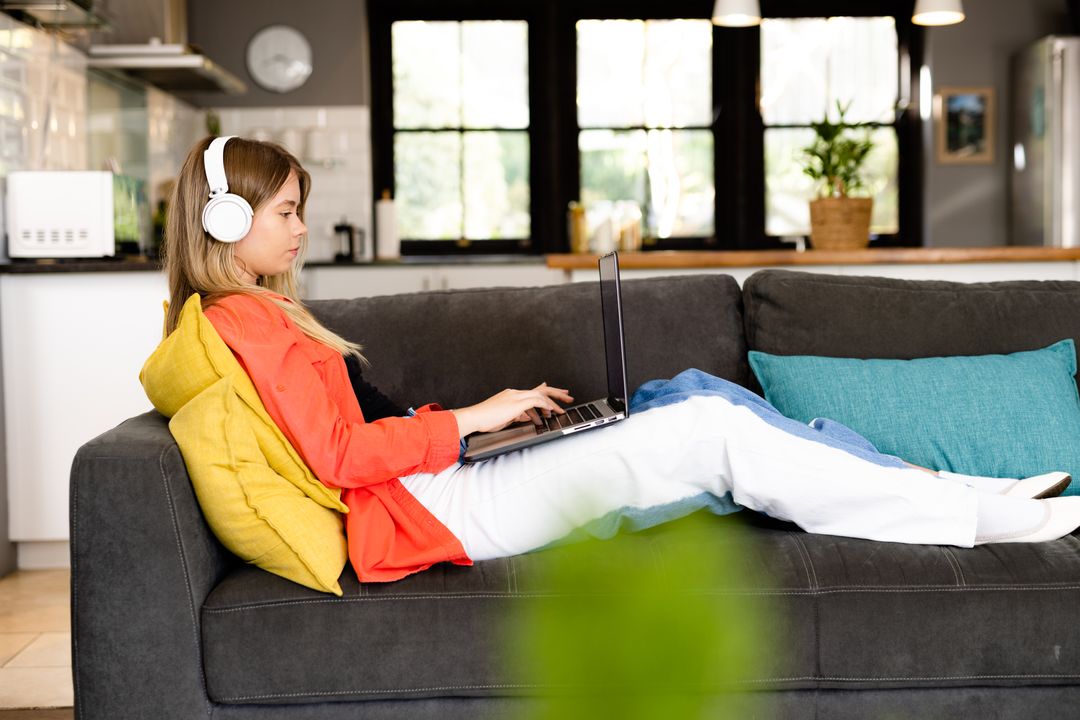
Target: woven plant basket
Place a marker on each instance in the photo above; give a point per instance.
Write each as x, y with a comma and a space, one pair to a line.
840, 223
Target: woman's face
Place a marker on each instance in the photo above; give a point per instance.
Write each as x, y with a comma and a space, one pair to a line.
271, 246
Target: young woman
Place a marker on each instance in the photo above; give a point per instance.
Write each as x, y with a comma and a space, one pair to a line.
412, 504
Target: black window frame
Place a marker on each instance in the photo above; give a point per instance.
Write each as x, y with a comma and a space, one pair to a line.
381, 16
738, 130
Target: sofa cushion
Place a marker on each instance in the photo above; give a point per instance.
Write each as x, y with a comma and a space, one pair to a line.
257, 514
1013, 415
799, 313
258, 496
192, 358
846, 613
491, 339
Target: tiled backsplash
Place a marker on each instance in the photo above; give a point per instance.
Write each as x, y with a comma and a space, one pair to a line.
334, 146
44, 125
42, 101
174, 128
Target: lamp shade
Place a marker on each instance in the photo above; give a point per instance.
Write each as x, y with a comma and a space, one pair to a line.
736, 13
938, 12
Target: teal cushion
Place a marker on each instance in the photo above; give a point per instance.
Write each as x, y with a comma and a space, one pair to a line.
996, 415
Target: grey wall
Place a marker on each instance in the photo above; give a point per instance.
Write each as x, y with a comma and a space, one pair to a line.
336, 29
966, 205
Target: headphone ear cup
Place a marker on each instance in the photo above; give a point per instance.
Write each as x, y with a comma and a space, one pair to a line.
227, 217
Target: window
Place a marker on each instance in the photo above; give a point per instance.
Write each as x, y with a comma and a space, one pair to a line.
460, 130
489, 118
810, 67
644, 109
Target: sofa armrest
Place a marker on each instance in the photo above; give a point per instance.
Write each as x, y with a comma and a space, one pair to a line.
143, 561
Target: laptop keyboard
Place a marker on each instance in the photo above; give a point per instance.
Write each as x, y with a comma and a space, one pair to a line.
574, 416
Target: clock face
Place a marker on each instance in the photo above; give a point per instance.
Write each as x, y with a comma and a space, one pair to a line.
279, 58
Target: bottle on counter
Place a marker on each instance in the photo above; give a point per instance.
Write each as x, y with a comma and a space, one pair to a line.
578, 228
387, 241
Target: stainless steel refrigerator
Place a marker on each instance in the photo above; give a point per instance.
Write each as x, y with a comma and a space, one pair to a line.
1044, 173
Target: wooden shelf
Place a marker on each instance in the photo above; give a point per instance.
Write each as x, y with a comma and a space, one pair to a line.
762, 258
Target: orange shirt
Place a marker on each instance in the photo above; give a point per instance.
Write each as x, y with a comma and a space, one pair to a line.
305, 388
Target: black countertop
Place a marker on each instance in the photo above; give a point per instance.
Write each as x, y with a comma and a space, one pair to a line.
50, 265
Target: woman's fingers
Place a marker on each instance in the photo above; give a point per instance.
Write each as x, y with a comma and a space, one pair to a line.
561, 394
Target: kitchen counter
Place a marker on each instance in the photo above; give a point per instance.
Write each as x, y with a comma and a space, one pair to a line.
74, 265
139, 263
977, 264
773, 258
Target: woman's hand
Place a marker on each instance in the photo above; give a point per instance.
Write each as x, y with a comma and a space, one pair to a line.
510, 406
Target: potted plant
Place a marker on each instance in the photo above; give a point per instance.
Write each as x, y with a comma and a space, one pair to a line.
834, 160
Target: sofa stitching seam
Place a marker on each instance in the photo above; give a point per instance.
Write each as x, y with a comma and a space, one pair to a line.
958, 572
756, 681
839, 590
808, 563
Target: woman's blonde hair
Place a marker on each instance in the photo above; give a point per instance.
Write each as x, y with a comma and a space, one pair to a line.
197, 263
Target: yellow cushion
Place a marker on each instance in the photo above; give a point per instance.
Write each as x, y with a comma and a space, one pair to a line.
192, 359
236, 472
255, 513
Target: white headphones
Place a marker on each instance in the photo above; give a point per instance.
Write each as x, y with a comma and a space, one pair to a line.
226, 217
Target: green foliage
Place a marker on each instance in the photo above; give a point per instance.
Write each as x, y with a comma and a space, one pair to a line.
836, 156
657, 624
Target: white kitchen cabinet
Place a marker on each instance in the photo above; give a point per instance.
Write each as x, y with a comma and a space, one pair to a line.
72, 345
327, 283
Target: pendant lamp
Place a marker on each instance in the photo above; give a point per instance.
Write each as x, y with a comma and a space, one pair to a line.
937, 12
736, 13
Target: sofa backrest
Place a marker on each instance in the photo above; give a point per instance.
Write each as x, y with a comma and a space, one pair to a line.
460, 346
798, 313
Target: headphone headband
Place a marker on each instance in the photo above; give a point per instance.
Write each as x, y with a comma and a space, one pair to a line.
214, 161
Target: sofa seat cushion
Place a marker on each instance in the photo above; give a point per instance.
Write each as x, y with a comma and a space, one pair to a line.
846, 613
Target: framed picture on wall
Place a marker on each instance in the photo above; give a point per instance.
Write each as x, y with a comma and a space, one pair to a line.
965, 125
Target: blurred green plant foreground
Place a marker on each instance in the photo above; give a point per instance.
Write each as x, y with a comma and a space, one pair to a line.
658, 624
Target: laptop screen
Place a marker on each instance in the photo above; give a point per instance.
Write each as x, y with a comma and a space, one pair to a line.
611, 305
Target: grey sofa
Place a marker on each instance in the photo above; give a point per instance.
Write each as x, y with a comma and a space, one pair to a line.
167, 624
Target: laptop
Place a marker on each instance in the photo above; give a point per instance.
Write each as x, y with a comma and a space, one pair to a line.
583, 416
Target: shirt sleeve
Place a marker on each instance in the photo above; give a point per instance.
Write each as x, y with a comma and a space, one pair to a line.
340, 453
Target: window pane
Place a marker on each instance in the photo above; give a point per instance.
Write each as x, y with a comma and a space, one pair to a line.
427, 74
497, 185
612, 168
788, 190
882, 169
808, 64
678, 73
656, 73
667, 173
681, 192
610, 55
495, 74
427, 175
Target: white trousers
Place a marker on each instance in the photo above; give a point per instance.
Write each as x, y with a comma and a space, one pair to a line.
529, 498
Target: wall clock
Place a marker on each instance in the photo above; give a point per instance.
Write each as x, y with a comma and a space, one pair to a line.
279, 58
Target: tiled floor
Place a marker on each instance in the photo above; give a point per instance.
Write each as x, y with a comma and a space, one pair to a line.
35, 643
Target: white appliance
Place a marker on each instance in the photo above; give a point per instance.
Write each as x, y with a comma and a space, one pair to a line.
60, 214
1045, 170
